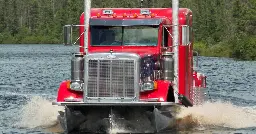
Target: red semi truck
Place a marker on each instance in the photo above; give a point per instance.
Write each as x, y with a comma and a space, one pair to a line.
132, 63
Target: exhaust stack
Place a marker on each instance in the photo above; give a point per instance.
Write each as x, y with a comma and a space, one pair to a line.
87, 14
175, 32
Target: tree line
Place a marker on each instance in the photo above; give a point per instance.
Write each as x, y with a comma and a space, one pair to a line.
221, 27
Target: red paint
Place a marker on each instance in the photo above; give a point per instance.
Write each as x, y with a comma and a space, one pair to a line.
64, 92
199, 80
160, 92
186, 75
163, 13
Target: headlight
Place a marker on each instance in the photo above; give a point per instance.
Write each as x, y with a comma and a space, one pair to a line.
77, 86
147, 73
148, 86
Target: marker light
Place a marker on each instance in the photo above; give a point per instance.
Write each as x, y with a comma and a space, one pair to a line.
114, 15
153, 15
98, 15
155, 85
135, 15
124, 15
68, 84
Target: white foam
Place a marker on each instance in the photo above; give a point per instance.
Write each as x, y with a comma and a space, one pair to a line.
38, 112
221, 114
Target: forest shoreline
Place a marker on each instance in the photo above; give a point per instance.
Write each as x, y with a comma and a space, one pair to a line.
222, 28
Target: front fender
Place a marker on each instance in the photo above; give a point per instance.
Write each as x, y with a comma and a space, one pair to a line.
161, 92
65, 92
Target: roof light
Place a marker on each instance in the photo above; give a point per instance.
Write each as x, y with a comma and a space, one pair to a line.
135, 15
98, 15
144, 11
152, 15
114, 15
107, 12
124, 15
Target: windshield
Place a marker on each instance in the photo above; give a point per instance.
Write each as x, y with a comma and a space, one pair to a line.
125, 35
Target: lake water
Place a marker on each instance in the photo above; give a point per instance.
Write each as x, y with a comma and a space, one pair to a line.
30, 76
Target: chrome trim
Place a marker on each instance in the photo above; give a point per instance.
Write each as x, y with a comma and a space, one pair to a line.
112, 57
117, 104
150, 100
77, 71
195, 54
167, 65
157, 74
98, 78
111, 65
73, 100
185, 35
123, 81
198, 95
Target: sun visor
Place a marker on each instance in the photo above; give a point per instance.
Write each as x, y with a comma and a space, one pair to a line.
126, 22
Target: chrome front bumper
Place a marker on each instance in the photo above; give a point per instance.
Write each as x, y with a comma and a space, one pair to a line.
116, 104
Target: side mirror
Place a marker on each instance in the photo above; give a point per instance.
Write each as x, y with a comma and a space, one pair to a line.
185, 35
67, 34
195, 66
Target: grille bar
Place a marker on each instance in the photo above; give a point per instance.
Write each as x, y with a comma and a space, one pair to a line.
123, 79
98, 78
111, 78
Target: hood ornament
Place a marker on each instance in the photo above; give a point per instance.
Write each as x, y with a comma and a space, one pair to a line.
111, 51
111, 56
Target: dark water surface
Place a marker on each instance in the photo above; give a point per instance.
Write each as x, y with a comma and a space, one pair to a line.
30, 76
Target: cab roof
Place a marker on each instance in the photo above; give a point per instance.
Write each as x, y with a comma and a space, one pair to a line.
165, 14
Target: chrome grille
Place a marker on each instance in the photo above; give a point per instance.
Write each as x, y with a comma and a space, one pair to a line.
111, 78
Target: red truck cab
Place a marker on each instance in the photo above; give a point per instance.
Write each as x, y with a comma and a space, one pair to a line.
146, 32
